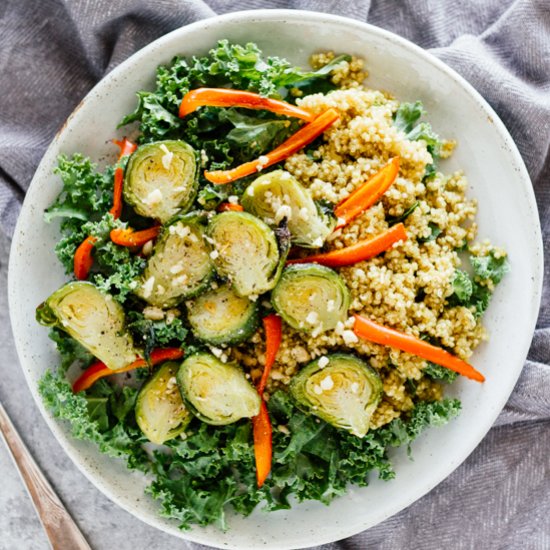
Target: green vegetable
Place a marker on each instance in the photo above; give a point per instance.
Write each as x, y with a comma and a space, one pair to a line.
435, 231
86, 194
462, 286
218, 393
343, 392
439, 373
474, 292
406, 118
405, 215
160, 412
105, 417
277, 195
69, 349
490, 267
227, 136
92, 318
245, 252
221, 317
311, 297
213, 468
161, 179
153, 334
179, 267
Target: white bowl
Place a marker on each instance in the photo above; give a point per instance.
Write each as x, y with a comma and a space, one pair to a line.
507, 215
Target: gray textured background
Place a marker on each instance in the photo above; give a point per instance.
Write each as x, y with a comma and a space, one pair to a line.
52, 52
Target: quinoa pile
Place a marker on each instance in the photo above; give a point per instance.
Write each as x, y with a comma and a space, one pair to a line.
408, 286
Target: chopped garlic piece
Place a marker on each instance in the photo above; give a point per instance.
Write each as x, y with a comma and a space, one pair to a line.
327, 383
312, 317
350, 337
148, 287
323, 362
167, 157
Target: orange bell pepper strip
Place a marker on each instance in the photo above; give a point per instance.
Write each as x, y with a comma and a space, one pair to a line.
229, 206
379, 334
99, 370
261, 424
222, 97
367, 194
129, 237
263, 444
82, 261
126, 148
304, 136
358, 252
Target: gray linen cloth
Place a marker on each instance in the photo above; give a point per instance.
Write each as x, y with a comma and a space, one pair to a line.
52, 52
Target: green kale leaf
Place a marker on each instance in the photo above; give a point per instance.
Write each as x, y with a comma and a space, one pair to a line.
439, 373
69, 350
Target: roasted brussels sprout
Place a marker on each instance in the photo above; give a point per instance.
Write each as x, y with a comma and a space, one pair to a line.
341, 389
161, 179
92, 318
245, 251
311, 297
179, 267
221, 317
217, 393
279, 195
160, 412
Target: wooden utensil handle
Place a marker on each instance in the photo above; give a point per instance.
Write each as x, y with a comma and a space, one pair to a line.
60, 527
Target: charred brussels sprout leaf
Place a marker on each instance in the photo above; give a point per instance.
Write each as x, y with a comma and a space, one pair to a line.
311, 297
245, 252
180, 266
221, 317
278, 195
93, 319
161, 179
160, 412
218, 393
341, 389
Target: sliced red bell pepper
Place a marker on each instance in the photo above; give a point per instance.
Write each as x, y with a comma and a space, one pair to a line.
385, 336
304, 136
82, 262
223, 97
359, 251
129, 237
263, 445
99, 370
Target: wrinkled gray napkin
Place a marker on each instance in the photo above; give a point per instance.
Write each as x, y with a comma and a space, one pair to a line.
53, 52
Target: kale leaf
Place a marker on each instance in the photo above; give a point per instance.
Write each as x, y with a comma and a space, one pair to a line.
91, 419
406, 119
439, 373
69, 350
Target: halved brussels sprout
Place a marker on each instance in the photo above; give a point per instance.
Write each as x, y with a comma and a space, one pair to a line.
96, 320
311, 298
161, 179
179, 267
160, 412
245, 251
221, 317
279, 195
341, 389
218, 393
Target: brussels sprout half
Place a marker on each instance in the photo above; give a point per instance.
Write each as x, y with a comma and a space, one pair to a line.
341, 389
219, 316
160, 412
246, 252
311, 298
279, 195
160, 180
92, 318
217, 393
179, 267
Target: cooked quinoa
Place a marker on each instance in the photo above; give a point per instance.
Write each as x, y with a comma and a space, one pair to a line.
408, 286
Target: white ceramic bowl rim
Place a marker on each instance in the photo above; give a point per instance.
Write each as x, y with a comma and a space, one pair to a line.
438, 474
